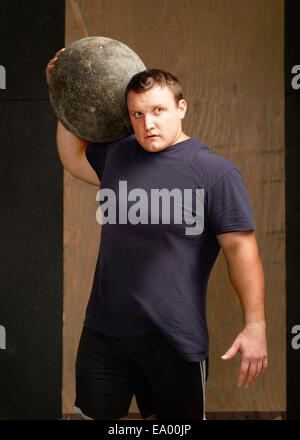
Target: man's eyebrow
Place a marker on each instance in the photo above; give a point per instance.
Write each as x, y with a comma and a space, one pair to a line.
156, 105
153, 107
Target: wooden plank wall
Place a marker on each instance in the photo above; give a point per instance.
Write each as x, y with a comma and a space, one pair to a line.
229, 57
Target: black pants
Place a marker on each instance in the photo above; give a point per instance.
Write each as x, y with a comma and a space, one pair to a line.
109, 370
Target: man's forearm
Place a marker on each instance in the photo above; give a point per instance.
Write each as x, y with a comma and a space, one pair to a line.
246, 274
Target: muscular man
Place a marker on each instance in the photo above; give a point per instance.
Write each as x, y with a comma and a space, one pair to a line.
168, 205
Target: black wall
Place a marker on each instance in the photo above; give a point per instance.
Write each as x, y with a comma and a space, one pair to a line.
292, 147
31, 194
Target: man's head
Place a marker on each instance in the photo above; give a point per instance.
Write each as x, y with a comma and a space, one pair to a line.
156, 109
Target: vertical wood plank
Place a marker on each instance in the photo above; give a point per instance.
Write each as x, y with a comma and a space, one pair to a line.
228, 55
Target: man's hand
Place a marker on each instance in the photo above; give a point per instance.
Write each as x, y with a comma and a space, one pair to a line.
51, 63
252, 345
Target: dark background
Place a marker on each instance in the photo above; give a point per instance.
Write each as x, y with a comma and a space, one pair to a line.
31, 191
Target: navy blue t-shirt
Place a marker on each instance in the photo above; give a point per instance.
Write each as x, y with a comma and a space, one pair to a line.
152, 270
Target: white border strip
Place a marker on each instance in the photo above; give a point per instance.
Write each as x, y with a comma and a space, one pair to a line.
203, 376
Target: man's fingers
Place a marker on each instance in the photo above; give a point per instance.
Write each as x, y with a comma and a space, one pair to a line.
252, 373
59, 52
259, 369
265, 363
51, 64
231, 352
243, 372
53, 60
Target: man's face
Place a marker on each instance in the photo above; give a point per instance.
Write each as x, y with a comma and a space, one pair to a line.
156, 118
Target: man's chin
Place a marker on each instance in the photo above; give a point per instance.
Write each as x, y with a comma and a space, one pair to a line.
153, 148
152, 144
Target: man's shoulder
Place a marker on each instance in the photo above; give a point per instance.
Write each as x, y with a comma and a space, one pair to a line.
214, 163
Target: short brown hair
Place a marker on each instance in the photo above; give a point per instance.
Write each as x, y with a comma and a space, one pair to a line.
145, 80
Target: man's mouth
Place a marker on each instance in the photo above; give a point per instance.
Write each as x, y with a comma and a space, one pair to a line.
150, 136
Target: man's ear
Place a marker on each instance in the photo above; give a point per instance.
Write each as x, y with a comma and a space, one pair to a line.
182, 107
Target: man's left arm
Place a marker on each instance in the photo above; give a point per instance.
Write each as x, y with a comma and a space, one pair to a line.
247, 277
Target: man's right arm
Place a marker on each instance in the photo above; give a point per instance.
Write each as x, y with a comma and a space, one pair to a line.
71, 151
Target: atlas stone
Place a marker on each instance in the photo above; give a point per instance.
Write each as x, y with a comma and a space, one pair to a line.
87, 88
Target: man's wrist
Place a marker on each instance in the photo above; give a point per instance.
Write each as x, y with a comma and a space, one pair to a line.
256, 325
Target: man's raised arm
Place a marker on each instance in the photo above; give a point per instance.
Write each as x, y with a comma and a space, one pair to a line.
71, 149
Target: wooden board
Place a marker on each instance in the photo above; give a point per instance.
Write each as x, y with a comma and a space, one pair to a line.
228, 55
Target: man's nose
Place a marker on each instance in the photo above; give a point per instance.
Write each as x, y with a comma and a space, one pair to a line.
149, 122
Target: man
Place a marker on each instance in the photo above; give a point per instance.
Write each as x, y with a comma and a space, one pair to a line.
145, 330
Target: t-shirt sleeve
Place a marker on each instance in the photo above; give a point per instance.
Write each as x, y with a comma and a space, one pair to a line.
96, 155
228, 204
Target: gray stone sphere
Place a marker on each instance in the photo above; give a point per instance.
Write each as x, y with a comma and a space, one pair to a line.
87, 88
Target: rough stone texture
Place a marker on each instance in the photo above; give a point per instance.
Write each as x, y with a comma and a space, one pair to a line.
87, 88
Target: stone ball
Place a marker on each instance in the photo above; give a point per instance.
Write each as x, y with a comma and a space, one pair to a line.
87, 88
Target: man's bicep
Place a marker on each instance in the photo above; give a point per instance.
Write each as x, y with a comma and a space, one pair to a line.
232, 240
